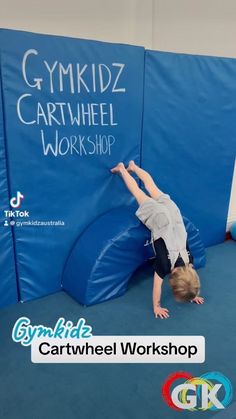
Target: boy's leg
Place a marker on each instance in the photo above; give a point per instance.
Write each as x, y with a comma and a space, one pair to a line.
146, 178
130, 183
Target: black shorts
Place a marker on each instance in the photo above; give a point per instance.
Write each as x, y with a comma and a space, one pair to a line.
162, 264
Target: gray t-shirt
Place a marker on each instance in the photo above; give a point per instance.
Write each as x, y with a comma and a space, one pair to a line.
163, 218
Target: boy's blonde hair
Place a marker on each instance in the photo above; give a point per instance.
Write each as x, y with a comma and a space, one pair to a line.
185, 283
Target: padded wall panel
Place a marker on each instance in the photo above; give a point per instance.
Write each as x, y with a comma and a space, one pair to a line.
8, 284
189, 134
81, 100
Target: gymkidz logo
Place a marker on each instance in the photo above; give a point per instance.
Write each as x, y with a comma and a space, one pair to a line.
15, 201
210, 391
24, 332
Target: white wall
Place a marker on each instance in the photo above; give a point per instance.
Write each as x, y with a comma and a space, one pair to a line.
124, 21
193, 26
205, 27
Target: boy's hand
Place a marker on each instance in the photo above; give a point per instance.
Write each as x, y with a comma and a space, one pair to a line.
198, 300
163, 313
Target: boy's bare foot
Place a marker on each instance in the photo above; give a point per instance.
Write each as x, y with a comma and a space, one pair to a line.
131, 166
118, 168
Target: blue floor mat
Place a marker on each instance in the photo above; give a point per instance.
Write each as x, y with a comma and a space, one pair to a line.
120, 391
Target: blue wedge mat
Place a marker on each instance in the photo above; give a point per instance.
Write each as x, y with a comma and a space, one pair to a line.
119, 248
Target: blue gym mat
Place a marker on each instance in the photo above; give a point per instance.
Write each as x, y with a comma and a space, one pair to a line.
120, 391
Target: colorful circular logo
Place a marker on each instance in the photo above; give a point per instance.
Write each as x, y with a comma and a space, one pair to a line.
210, 391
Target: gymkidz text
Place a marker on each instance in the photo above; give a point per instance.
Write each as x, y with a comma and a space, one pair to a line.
24, 332
70, 87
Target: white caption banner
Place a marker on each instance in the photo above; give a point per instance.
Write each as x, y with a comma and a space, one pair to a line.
120, 349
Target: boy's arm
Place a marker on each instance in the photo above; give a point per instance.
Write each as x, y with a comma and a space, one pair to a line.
156, 298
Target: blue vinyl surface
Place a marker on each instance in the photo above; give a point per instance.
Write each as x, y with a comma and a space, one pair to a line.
48, 83
8, 282
119, 250
189, 134
74, 108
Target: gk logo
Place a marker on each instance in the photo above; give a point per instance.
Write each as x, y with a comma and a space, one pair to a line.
197, 393
206, 396
15, 202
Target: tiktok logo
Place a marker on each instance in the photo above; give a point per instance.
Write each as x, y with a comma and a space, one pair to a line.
15, 202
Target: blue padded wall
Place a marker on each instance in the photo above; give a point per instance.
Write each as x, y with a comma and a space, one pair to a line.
8, 283
72, 109
47, 82
189, 134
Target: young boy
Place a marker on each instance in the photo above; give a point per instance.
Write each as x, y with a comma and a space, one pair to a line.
163, 218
